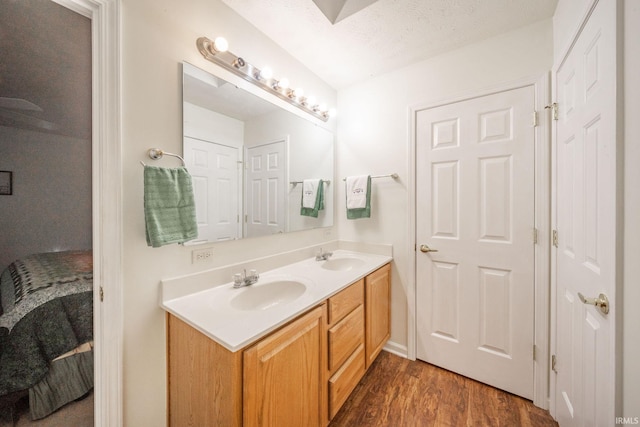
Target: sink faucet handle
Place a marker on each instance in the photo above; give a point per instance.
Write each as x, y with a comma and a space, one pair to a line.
254, 273
237, 278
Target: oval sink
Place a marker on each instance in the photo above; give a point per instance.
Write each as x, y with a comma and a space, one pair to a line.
263, 296
342, 264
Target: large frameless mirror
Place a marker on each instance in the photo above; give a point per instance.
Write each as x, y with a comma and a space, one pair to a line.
248, 159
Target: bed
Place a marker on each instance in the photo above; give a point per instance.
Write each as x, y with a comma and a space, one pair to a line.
46, 331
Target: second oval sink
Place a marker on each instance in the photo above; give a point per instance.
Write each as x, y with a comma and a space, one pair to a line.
342, 264
263, 296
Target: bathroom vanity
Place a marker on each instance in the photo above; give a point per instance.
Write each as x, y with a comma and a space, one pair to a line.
298, 371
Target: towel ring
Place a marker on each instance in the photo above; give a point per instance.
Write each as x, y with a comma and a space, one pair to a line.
157, 153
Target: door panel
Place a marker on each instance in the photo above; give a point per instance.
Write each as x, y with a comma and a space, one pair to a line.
266, 187
475, 206
585, 209
216, 182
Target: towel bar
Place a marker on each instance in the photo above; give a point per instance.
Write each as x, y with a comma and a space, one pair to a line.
325, 181
391, 175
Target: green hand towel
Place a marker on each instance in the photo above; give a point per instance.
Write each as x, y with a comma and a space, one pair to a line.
319, 204
358, 213
169, 206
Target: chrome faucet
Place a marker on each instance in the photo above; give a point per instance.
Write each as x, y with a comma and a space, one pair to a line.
323, 256
242, 279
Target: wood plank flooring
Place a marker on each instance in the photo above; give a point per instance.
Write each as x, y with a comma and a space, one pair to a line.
397, 392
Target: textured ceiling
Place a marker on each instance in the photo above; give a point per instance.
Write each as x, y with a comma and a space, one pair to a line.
385, 35
45, 70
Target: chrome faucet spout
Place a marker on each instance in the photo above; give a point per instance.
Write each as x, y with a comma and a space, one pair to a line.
243, 279
323, 256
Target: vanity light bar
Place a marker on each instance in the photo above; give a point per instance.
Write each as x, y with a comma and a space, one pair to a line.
216, 52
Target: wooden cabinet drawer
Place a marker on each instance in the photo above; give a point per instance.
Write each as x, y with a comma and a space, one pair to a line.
342, 383
345, 301
345, 337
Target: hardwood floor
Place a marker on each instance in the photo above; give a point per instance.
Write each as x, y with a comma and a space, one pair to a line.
399, 392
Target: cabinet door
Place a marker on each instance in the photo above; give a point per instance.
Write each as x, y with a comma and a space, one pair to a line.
378, 311
285, 375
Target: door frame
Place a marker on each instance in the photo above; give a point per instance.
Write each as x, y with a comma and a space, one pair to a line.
107, 205
542, 202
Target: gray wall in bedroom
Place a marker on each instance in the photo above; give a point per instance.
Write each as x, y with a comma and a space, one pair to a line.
50, 209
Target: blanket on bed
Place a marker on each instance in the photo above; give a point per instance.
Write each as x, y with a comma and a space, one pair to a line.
32, 273
52, 313
43, 334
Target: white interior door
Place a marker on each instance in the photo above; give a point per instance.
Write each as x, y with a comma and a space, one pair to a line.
216, 185
475, 206
265, 202
585, 209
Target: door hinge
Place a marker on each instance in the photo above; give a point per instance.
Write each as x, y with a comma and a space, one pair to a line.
534, 119
554, 110
246, 218
534, 352
554, 362
555, 238
101, 294
535, 236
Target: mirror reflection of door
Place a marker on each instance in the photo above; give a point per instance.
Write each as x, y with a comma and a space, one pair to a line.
265, 189
215, 170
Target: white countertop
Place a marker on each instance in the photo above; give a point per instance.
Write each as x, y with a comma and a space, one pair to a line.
211, 311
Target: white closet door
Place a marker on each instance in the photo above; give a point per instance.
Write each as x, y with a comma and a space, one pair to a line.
475, 206
265, 201
214, 169
585, 207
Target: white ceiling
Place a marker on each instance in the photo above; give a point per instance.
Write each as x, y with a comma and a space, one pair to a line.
385, 35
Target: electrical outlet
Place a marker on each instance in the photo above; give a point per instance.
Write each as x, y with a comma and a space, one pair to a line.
201, 255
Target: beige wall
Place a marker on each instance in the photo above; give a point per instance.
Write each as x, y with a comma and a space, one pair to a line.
156, 37
374, 136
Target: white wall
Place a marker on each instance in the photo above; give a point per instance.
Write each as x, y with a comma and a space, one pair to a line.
156, 37
211, 126
50, 209
374, 135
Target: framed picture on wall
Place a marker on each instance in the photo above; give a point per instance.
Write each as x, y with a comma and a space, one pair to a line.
6, 186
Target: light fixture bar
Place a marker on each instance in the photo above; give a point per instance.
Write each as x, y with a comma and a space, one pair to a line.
238, 66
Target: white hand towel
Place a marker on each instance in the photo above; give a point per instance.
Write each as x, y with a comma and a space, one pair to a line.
357, 191
309, 192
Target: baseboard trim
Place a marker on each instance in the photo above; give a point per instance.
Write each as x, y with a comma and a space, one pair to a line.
397, 349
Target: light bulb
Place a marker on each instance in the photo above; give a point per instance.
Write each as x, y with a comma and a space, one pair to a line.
266, 73
298, 92
283, 83
220, 44
311, 101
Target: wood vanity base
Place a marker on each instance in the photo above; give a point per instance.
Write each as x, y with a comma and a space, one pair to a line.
301, 374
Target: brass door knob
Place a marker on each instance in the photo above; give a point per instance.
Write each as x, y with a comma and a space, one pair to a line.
425, 248
602, 302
